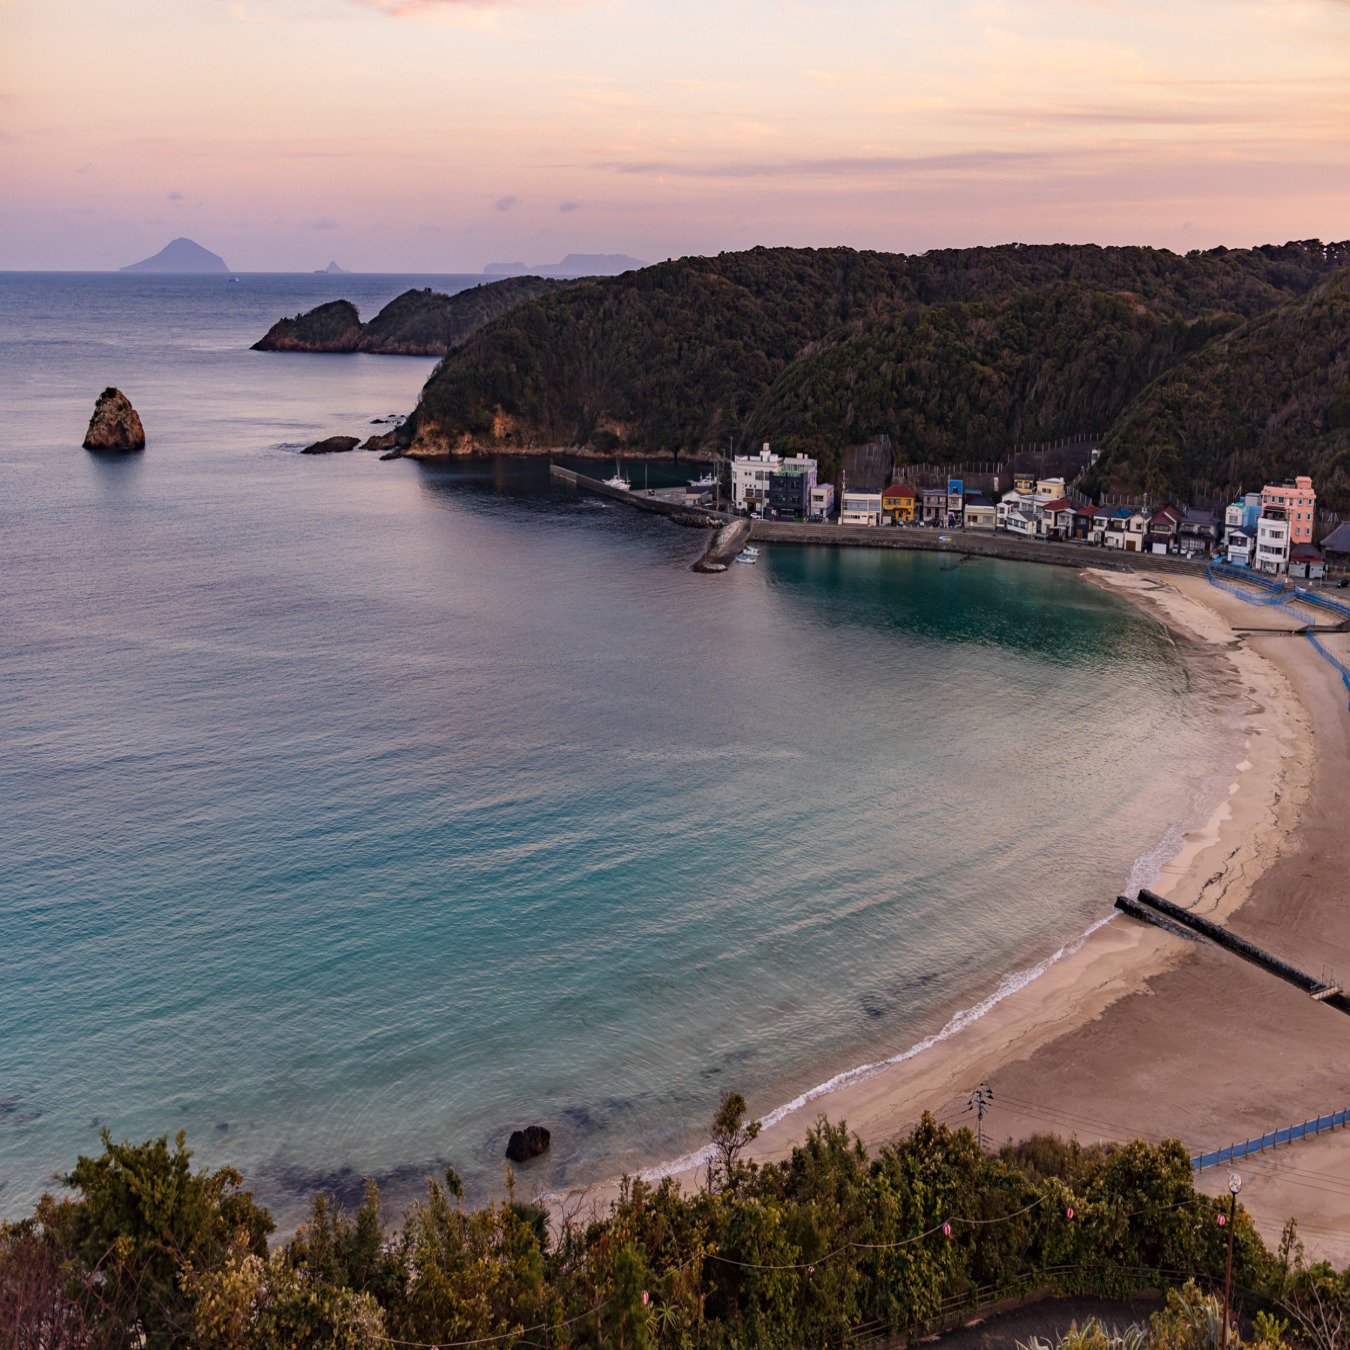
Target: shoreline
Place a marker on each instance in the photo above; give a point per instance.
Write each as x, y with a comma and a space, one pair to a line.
1053, 1002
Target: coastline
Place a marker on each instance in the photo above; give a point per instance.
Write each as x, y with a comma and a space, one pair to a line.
1029, 1038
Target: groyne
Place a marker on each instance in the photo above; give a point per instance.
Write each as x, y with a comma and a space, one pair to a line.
679, 512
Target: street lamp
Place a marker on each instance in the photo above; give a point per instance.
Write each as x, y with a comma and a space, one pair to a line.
1234, 1186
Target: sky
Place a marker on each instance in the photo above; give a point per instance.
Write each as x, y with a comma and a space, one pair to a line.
445, 135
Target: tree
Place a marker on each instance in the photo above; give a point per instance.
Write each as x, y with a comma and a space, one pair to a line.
730, 1135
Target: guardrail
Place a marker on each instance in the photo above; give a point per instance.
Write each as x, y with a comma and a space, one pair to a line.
1312, 1127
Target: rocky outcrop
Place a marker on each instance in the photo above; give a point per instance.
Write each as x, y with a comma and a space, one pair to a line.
527, 1143
334, 327
115, 425
333, 445
389, 441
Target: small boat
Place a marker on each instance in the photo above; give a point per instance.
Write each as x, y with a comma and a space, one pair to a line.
751, 551
618, 481
746, 558
944, 539
708, 480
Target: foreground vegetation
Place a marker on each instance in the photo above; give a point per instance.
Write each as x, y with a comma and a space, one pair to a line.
955, 354
830, 1246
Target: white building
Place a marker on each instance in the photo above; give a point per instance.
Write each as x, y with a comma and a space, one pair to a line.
822, 499
1272, 544
860, 508
750, 478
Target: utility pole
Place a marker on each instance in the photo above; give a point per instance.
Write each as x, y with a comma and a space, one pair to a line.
1234, 1186
980, 1101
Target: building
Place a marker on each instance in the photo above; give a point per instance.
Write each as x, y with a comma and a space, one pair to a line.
1305, 560
1085, 524
790, 494
860, 508
1025, 482
1242, 515
1336, 546
1199, 530
1012, 501
822, 501
956, 492
1297, 503
1162, 529
1024, 521
1057, 518
935, 506
1240, 546
750, 476
1272, 542
978, 513
1052, 489
899, 504
1126, 527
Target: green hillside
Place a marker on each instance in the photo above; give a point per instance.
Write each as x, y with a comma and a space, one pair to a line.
691, 356
416, 323
1267, 400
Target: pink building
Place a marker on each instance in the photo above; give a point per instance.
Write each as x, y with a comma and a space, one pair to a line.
1295, 502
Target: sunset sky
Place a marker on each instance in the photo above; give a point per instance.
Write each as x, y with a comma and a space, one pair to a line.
443, 135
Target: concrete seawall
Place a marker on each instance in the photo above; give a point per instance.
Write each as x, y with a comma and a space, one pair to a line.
677, 511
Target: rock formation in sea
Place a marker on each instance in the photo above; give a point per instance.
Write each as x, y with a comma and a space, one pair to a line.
115, 425
334, 327
527, 1143
332, 445
183, 255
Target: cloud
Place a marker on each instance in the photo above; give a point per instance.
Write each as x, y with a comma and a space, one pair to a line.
175, 196
568, 206
322, 223
505, 203
85, 168
840, 167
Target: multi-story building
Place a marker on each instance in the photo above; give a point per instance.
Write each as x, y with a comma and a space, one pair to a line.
935, 506
790, 493
1242, 515
1272, 541
899, 504
822, 500
750, 476
860, 508
1297, 503
978, 513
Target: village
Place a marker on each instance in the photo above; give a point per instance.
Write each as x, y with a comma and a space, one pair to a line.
1276, 530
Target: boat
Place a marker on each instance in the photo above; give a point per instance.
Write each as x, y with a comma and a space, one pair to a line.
751, 551
708, 480
618, 481
746, 558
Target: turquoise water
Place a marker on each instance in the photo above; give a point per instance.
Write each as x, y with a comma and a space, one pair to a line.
354, 813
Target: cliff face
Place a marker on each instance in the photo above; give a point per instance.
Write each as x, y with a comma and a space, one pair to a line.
416, 323
334, 327
115, 425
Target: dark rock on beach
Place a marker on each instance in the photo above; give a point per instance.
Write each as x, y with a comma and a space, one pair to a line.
334, 445
115, 425
386, 442
527, 1143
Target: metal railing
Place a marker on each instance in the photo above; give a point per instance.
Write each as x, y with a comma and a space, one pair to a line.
1262, 1142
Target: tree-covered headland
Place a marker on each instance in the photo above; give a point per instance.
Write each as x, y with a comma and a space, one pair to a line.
828, 1248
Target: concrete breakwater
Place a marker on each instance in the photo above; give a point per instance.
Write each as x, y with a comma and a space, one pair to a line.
724, 546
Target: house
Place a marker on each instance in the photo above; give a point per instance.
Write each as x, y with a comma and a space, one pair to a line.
978, 513
1198, 531
1010, 502
1024, 521
1297, 503
1024, 482
935, 506
1126, 528
1305, 560
1272, 542
1242, 515
1336, 546
860, 508
899, 504
1240, 546
1085, 523
1165, 523
822, 501
697, 496
1052, 489
750, 476
1057, 518
956, 491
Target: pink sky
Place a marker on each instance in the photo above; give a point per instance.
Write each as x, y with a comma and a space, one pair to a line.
442, 135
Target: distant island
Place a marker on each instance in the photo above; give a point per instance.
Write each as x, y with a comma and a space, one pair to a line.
417, 323
332, 269
1200, 372
573, 266
183, 255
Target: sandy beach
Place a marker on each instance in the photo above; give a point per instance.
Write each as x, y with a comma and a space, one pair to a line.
1132, 1032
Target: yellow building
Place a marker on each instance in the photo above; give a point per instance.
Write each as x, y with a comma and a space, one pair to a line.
899, 503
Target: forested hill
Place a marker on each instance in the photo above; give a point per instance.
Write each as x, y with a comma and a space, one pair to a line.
952, 352
416, 323
1268, 399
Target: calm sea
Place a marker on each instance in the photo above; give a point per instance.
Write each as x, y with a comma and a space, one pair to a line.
354, 813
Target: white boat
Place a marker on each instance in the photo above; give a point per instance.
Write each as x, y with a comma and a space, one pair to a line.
707, 481
746, 558
618, 481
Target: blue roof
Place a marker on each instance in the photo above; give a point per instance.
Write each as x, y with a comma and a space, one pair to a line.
1122, 513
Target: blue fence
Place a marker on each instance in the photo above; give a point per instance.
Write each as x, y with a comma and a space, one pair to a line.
1308, 1129
1218, 574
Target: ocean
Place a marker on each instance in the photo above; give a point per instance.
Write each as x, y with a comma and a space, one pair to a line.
353, 814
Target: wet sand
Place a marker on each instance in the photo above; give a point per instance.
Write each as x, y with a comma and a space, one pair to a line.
1135, 1033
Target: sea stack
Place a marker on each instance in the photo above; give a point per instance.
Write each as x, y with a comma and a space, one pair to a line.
115, 425
527, 1143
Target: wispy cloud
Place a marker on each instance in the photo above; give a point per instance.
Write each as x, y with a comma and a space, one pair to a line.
175, 196
850, 166
565, 207
322, 223
505, 203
